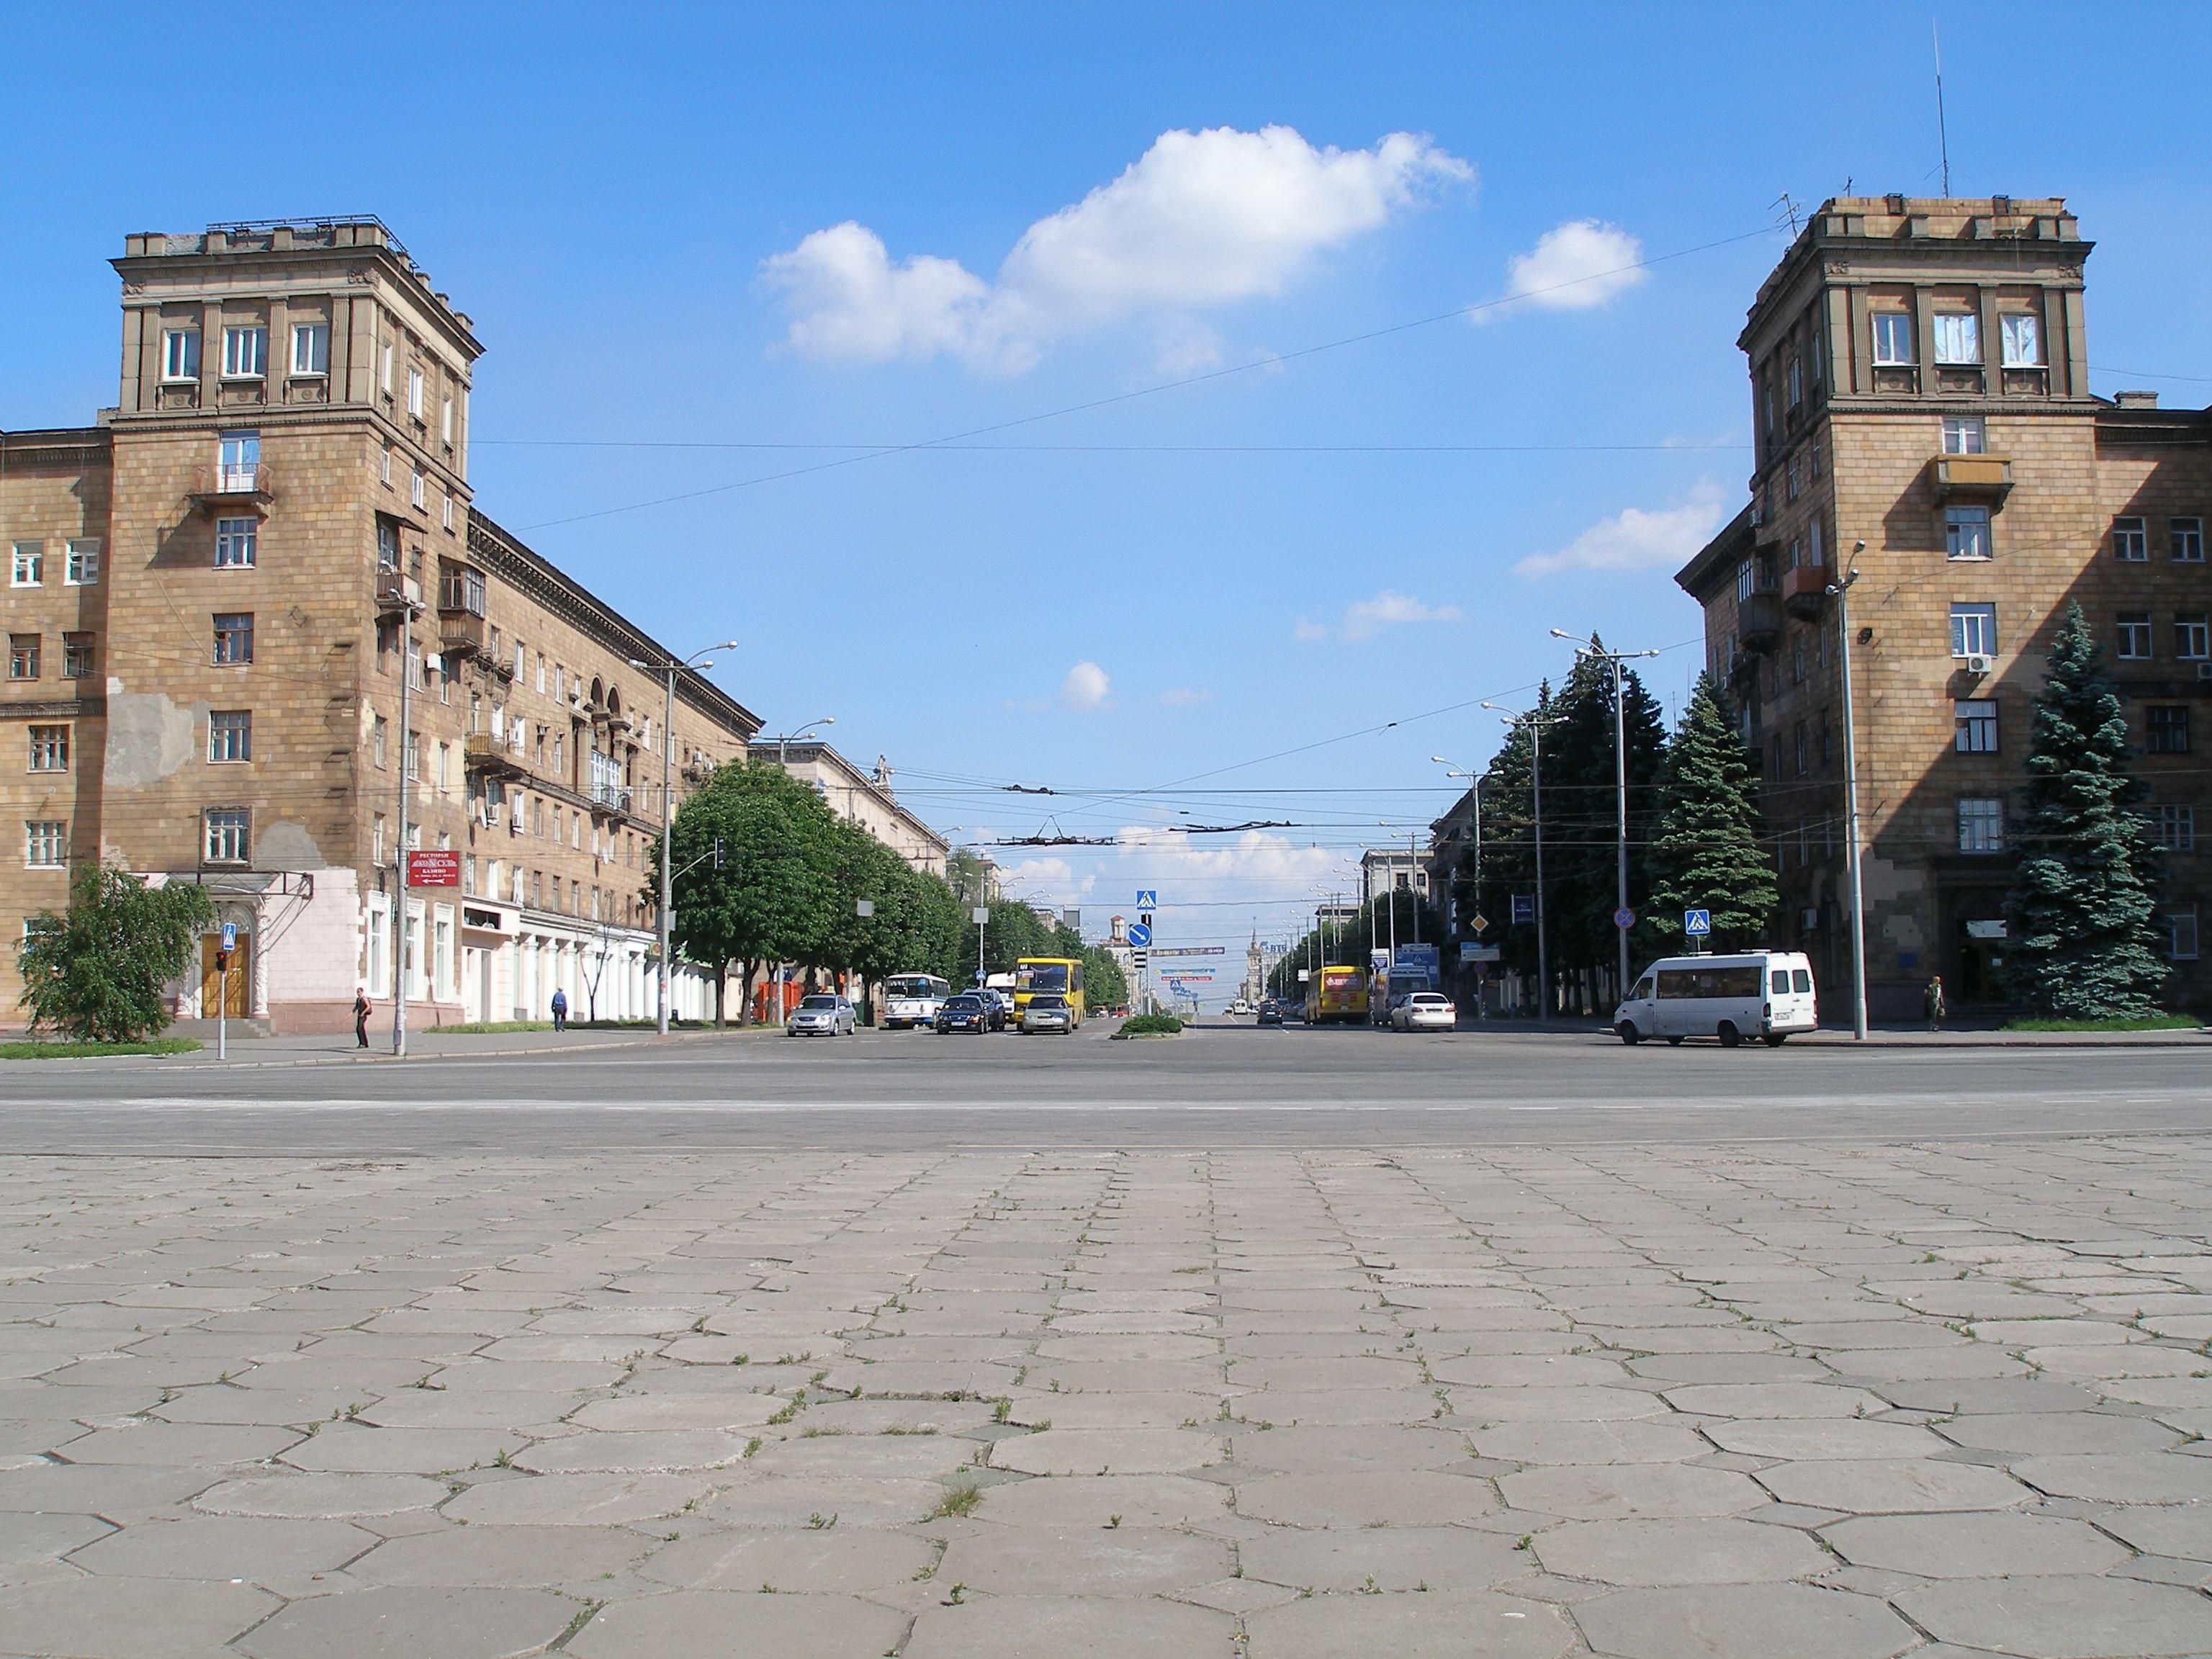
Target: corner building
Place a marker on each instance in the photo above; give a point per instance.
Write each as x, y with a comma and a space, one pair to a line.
1921, 407
214, 593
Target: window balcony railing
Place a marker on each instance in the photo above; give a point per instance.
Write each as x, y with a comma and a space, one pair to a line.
1805, 590
613, 797
1986, 478
1758, 620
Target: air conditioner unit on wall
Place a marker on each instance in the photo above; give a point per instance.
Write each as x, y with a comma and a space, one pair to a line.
2204, 670
1979, 665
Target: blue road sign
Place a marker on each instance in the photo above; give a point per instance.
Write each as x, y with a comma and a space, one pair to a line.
1139, 935
1698, 924
1148, 898
230, 936
1524, 908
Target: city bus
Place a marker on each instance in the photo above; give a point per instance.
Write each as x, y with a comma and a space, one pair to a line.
1060, 975
912, 1001
1339, 993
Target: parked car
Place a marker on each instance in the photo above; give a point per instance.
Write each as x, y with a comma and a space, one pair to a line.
971, 1011
821, 1014
1423, 1011
1048, 1011
1002, 1006
1271, 1013
1767, 994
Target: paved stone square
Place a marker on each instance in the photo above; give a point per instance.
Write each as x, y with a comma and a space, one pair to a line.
1645, 1401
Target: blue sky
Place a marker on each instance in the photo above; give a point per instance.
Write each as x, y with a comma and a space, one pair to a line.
704, 247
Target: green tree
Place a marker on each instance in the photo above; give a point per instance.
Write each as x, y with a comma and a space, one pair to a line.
2079, 920
1104, 984
1706, 852
97, 972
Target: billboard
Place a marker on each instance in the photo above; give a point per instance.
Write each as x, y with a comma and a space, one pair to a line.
433, 866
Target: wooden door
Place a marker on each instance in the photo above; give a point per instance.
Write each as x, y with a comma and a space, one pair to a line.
236, 992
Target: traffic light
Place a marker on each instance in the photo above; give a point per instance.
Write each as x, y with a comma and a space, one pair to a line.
222, 962
718, 852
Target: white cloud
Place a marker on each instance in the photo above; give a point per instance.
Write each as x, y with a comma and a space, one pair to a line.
1633, 539
1179, 696
1200, 219
1579, 266
1303, 628
1369, 618
1085, 686
1256, 863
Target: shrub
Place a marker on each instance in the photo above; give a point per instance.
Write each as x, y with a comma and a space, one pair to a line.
1150, 1025
97, 973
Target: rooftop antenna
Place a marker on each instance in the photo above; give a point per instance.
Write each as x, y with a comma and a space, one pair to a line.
1943, 135
1788, 203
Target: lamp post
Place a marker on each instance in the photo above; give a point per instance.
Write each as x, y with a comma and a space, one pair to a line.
1841, 592
1614, 660
697, 662
783, 744
398, 604
1537, 722
1474, 782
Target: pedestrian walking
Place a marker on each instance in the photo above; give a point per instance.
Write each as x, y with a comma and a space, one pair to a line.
1933, 999
560, 1011
361, 1012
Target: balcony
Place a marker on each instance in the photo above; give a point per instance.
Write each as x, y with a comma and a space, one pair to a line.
460, 632
1805, 592
610, 798
395, 591
485, 756
1758, 620
1986, 479
230, 491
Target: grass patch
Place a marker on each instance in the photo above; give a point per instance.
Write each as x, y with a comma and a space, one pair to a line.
498, 1027
58, 1049
1150, 1025
962, 1500
2147, 1023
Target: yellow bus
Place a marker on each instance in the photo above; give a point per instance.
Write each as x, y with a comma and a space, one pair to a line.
1337, 993
1060, 975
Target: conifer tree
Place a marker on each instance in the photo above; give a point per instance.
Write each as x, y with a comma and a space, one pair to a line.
1705, 855
2079, 918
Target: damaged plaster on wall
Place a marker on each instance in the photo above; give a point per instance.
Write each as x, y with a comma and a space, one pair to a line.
150, 737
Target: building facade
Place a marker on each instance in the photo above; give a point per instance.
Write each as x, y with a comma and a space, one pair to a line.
865, 799
1922, 415
1384, 868
215, 594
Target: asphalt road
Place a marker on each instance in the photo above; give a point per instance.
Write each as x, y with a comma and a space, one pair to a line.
1219, 1087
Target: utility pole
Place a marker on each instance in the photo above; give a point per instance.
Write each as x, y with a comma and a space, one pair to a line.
1841, 592
1537, 721
407, 610
1615, 663
668, 667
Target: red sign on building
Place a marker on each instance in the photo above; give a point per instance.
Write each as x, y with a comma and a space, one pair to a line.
436, 866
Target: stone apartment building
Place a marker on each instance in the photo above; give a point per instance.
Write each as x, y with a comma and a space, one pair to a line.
214, 593
1921, 405
865, 798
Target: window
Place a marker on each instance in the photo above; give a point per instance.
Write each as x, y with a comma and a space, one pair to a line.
180, 353
227, 842
2134, 629
1794, 376
2168, 728
234, 636
245, 353
447, 515
1799, 750
23, 656
1827, 737
414, 392
1963, 434
387, 545
2021, 340
29, 568
445, 421
77, 655
1797, 659
1815, 554
384, 368
2181, 932
230, 735
45, 843
311, 349
1973, 630
414, 758
384, 470
81, 565
377, 729
376, 839
2177, 828
445, 766
417, 493
1745, 580
1975, 726
1790, 479
1892, 338
1957, 338
238, 459
50, 748
2130, 542
1966, 533
1813, 357
2192, 638
235, 541
1981, 826
2186, 539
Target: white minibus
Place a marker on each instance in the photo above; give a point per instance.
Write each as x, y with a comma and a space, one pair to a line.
1754, 993
911, 1001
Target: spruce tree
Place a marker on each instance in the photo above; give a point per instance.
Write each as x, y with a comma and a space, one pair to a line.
2080, 942
1705, 855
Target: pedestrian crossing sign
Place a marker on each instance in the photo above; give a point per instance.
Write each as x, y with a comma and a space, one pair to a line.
1148, 898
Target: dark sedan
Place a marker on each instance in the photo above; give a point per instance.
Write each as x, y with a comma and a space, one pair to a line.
967, 1013
1271, 1013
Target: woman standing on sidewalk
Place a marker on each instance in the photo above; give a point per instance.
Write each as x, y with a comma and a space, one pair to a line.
361, 1012
1932, 999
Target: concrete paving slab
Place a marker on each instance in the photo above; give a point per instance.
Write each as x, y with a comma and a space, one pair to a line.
818, 1502
1084, 1561
1677, 1551
574, 1500
1816, 1439
329, 1496
1743, 1621
403, 1623
687, 1622
837, 1559
1387, 1499
1109, 1451
665, 1413
365, 1449
1355, 1448
1434, 1625
2078, 1618
2120, 1477
1775, 1399
1077, 1501
1974, 1546
32, 1546
1394, 1557
1892, 1486
1612, 1492
574, 1559
1070, 1627
275, 1554
644, 1451
127, 1617
2061, 1433
1635, 1441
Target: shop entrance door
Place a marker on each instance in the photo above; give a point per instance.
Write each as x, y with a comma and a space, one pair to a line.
236, 992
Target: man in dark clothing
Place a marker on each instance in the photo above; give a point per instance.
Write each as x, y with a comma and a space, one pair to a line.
361, 1012
560, 1011
1932, 998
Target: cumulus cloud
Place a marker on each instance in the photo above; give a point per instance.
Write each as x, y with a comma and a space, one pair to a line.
1085, 686
1180, 696
1200, 219
1634, 539
1306, 629
1369, 618
1577, 266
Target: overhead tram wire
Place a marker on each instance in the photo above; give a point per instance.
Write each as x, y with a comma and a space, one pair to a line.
1270, 361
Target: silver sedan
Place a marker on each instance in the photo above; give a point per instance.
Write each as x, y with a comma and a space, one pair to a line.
1048, 1010
821, 1016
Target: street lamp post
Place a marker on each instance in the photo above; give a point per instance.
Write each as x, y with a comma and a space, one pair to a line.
1537, 722
1474, 782
1614, 661
783, 744
697, 662
406, 610
1841, 592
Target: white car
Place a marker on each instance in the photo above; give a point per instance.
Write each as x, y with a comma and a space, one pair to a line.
1048, 1010
1767, 994
821, 1016
1424, 1011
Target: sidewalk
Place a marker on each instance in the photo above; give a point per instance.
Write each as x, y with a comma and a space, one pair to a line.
337, 1049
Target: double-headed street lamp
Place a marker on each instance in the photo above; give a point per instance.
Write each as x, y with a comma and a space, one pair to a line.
783, 744
1612, 660
1536, 723
697, 662
1840, 590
